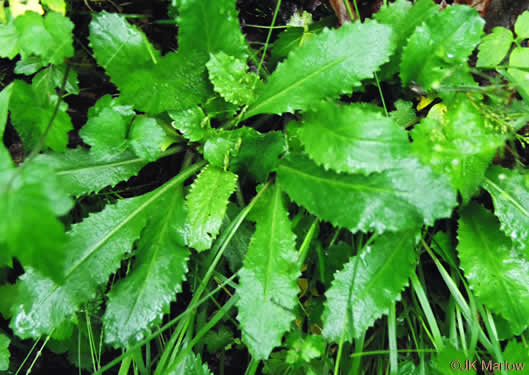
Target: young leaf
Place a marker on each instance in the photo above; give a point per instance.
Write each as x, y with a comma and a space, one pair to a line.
206, 205
400, 198
403, 18
456, 142
4, 352
79, 172
267, 281
210, 27
494, 47
516, 352
368, 285
176, 81
192, 364
353, 138
510, 193
192, 123
49, 79
107, 127
245, 149
327, 57
5, 96
294, 37
93, 251
404, 115
139, 301
521, 27
8, 40
32, 199
436, 53
518, 74
49, 38
230, 79
148, 138
32, 124
496, 271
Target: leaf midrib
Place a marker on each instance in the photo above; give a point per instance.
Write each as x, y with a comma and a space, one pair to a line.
337, 183
143, 206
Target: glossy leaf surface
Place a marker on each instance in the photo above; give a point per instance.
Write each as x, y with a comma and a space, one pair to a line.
496, 270
353, 138
509, 190
79, 172
206, 205
138, 302
457, 142
230, 79
399, 198
327, 57
267, 280
176, 80
437, 52
368, 285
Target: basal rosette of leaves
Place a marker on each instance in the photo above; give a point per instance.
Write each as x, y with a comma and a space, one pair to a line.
220, 201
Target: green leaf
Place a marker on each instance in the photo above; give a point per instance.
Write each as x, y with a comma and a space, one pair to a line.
94, 251
304, 349
369, 285
192, 123
517, 353
216, 341
31, 197
49, 37
230, 79
495, 269
288, 40
404, 114
436, 53
7, 299
148, 138
79, 172
520, 77
206, 205
29, 66
449, 356
494, 47
176, 81
353, 138
404, 19
457, 142
31, 124
403, 197
49, 79
510, 193
5, 156
267, 280
107, 127
210, 27
8, 40
192, 364
245, 149
327, 57
138, 302
521, 27
4, 352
